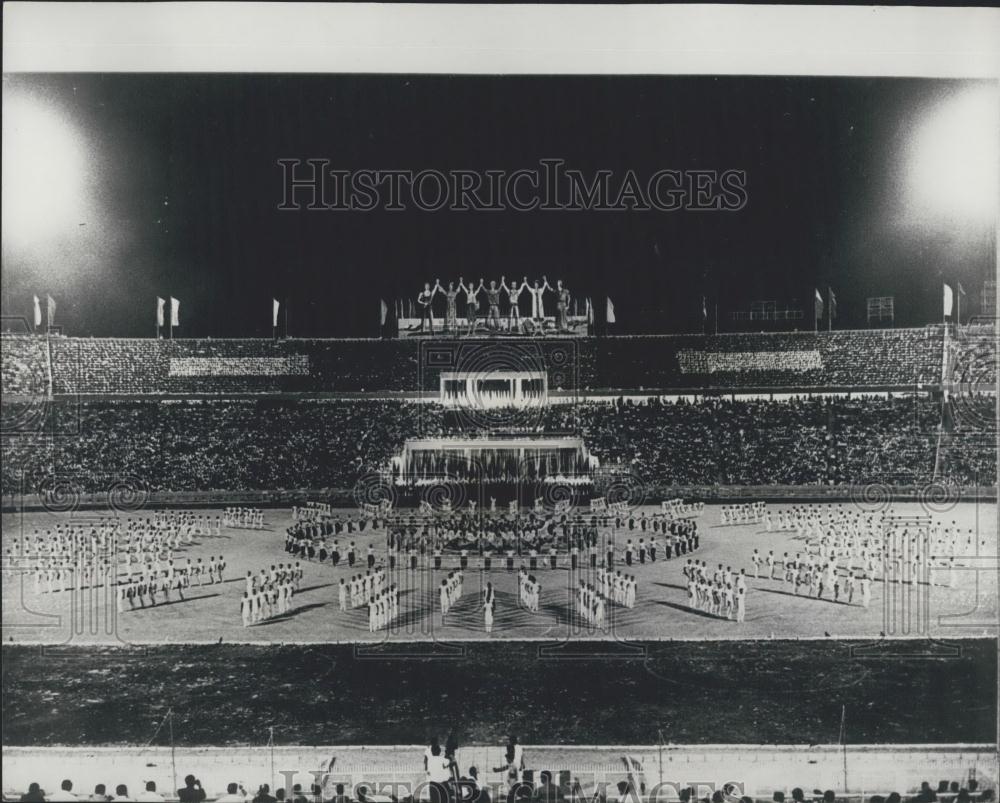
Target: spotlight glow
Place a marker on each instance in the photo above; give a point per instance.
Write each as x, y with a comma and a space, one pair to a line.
955, 169
44, 173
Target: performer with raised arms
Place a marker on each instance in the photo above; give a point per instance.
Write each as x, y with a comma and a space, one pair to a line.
537, 300
471, 303
424, 299
513, 294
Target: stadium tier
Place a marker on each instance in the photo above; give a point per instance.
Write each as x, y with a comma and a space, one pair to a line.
860, 359
301, 443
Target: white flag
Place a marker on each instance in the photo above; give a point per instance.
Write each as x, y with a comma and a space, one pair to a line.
611, 311
274, 312
949, 299
159, 310
38, 312
175, 312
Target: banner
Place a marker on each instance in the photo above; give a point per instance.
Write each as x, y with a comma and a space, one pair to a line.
175, 312
611, 310
383, 312
50, 311
833, 303
275, 306
819, 305
160, 303
38, 312
949, 299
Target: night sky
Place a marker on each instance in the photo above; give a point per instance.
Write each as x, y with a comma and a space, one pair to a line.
184, 186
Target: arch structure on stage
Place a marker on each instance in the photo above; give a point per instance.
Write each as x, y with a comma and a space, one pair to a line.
493, 389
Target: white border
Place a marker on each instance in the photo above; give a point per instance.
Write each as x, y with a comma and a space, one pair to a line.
494, 39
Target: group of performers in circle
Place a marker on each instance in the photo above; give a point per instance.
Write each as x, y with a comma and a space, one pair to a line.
489, 314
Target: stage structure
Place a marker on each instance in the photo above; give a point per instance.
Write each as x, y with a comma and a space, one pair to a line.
450, 473
493, 389
577, 326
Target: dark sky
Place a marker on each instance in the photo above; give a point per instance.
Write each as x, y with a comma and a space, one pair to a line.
184, 170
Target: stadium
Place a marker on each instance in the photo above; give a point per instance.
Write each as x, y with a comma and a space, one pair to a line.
890, 427
576, 538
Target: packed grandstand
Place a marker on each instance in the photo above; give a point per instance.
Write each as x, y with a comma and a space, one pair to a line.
791, 409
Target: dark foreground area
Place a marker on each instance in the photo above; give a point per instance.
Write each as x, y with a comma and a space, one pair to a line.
777, 692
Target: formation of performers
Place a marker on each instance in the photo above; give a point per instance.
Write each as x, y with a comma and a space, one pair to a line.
74, 556
847, 550
383, 608
245, 518
269, 593
749, 513
451, 590
720, 593
529, 590
159, 579
611, 587
360, 589
590, 604
490, 314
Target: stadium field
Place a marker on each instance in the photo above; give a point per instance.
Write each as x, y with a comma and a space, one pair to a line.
780, 692
955, 604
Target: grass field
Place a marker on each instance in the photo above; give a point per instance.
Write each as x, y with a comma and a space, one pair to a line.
777, 692
211, 613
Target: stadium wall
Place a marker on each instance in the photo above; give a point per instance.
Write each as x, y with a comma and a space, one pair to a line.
758, 770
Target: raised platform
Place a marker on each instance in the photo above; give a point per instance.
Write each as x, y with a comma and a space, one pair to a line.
527, 327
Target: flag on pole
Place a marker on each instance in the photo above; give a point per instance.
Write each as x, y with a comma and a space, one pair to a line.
50, 311
833, 302
611, 310
819, 305
704, 308
160, 303
949, 299
175, 312
38, 312
590, 310
961, 290
275, 306
383, 311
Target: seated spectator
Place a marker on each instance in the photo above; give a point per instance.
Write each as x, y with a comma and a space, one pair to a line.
65, 792
264, 794
191, 791
234, 794
34, 794
150, 795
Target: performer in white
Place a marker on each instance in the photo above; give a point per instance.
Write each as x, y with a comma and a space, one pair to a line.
537, 299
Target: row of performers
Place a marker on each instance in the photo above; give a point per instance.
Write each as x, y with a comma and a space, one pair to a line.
432, 523
678, 537
508, 295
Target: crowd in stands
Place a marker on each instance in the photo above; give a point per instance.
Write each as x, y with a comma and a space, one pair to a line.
261, 444
24, 365
447, 783
858, 358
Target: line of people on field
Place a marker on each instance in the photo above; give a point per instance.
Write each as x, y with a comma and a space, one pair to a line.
529, 590
450, 590
269, 593
245, 518
721, 593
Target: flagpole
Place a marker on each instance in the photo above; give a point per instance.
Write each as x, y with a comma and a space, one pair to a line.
829, 308
958, 308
